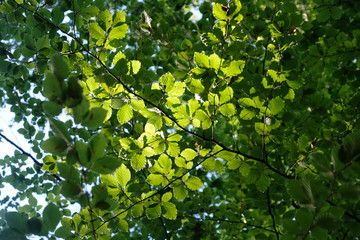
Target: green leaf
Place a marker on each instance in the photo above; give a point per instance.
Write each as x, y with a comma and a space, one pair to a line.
180, 192
118, 56
137, 210
201, 60
247, 114
219, 13
336, 12
219, 166
55, 145
261, 129
134, 66
60, 67
165, 162
215, 61
57, 15
194, 85
303, 142
247, 102
189, 154
96, 31
180, 162
234, 163
295, 190
123, 175
193, 183
228, 109
63, 232
154, 179
35, 225
10, 233
51, 216
97, 146
95, 117
118, 32
119, 17
226, 95
178, 90
42, 43
67, 171
53, 88
123, 225
173, 149
106, 165
263, 183
276, 105
166, 197
89, 12
304, 218
70, 189
170, 210
110, 180
17, 221
138, 162
153, 212
323, 15
125, 114
105, 17
235, 68
52, 108
167, 81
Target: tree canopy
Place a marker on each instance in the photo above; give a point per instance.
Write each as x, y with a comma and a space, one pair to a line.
182, 119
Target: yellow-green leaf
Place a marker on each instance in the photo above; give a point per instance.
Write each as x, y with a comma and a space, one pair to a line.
125, 114
171, 211
193, 183
219, 12
228, 109
166, 197
138, 162
201, 60
276, 105
134, 66
189, 154
96, 31
118, 32
123, 175
154, 179
153, 212
180, 192
173, 149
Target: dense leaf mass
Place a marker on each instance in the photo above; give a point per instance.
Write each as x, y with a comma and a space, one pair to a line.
182, 119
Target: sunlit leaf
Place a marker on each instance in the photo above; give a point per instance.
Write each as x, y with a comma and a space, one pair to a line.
123, 175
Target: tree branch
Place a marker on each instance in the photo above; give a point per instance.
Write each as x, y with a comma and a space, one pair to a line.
157, 192
270, 212
128, 89
27, 154
229, 221
164, 227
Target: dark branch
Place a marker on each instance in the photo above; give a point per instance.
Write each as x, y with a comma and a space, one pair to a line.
164, 227
27, 154
229, 221
127, 88
271, 213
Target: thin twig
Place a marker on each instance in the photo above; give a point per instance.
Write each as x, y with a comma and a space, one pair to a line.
164, 227
229, 221
128, 89
271, 213
157, 192
27, 154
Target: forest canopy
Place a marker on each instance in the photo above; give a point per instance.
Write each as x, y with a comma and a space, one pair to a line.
181, 119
